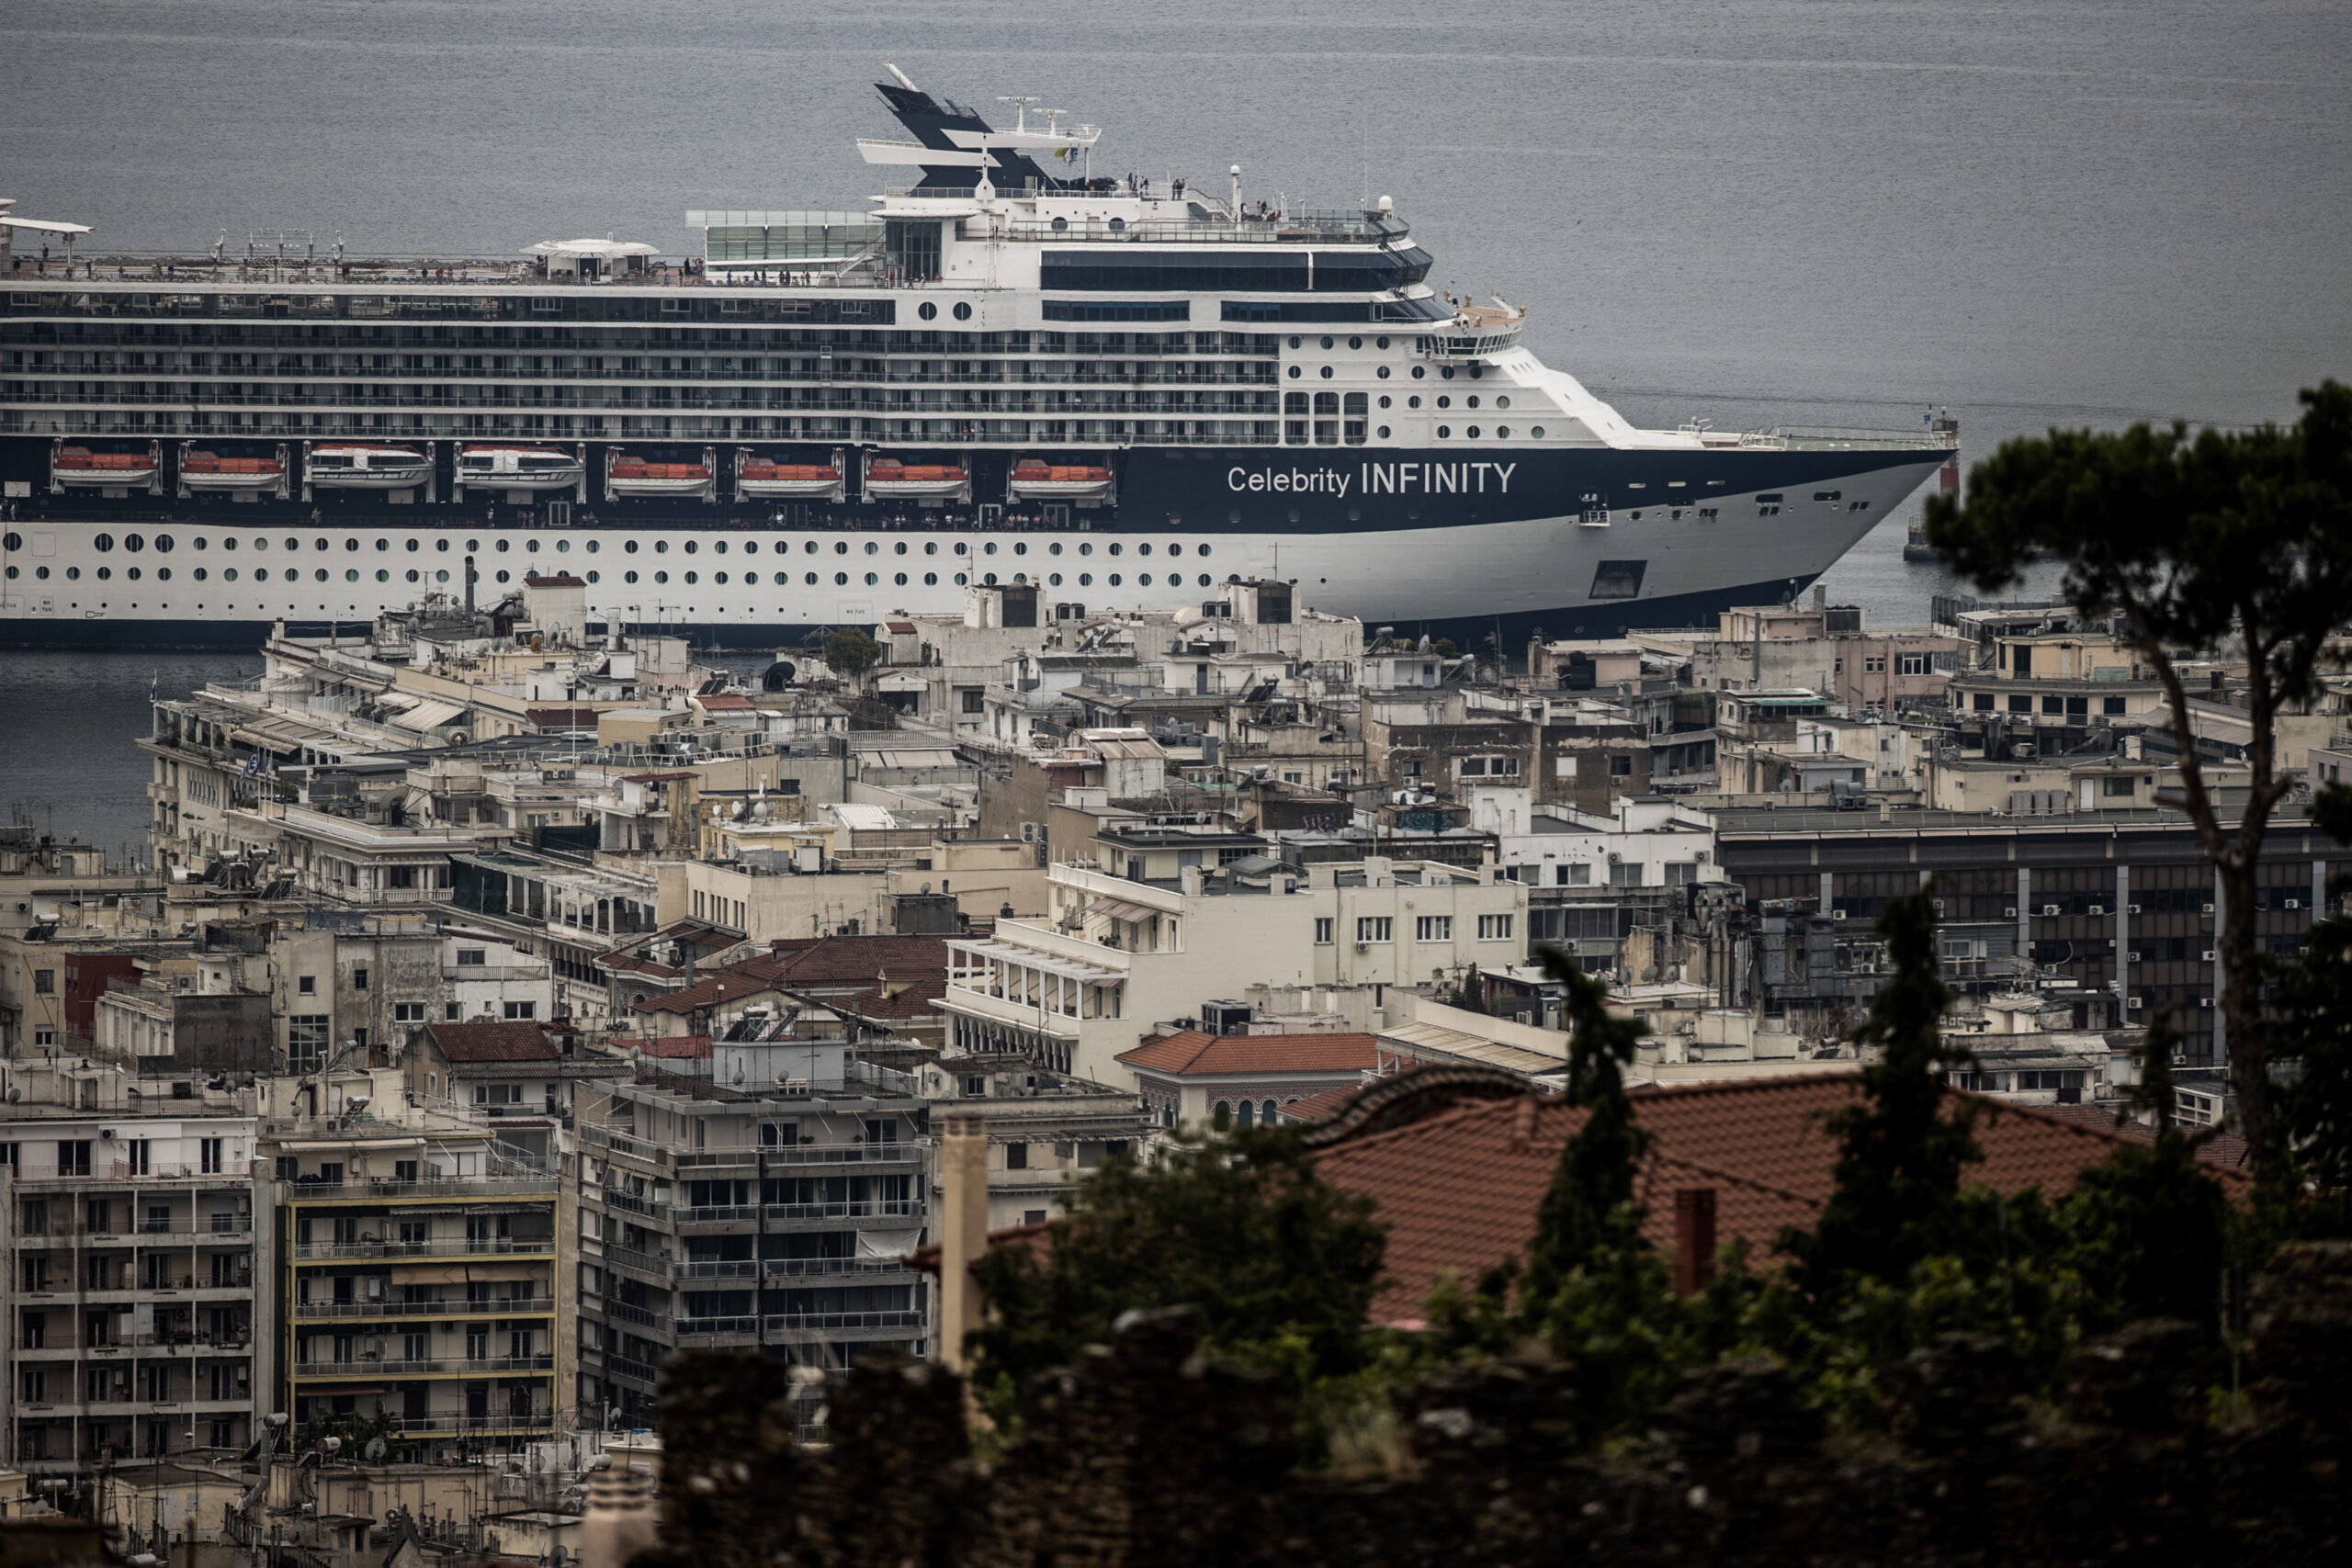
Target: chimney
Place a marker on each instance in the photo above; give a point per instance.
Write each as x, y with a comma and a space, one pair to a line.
619, 1522
1695, 1239
964, 1230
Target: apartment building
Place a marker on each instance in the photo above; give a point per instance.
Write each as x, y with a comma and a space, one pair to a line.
417, 1280
762, 1196
1045, 1131
135, 1298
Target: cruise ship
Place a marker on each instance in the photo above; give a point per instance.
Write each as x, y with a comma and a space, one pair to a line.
1009, 370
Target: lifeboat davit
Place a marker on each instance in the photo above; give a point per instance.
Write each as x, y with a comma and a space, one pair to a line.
760, 474
670, 474
207, 469
114, 468
354, 465
933, 484
1034, 479
496, 466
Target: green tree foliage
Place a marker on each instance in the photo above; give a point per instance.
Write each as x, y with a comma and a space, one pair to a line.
1281, 1267
2239, 540
2147, 1232
849, 652
1589, 1214
2313, 1031
1901, 1149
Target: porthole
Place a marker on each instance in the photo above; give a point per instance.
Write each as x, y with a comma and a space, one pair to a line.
692, 549
41, 572
1175, 549
1115, 549
900, 548
105, 542
1059, 224
1355, 342
1327, 372
1380, 343
900, 579
628, 547
441, 576
811, 546
315, 544
963, 310
1201, 551
14, 573
1204, 580
259, 543
660, 577
163, 574
989, 549
1382, 373
350, 544
412, 574
871, 548
12, 541
203, 543
870, 578
1113, 579
989, 579
841, 546
962, 548
840, 580
410, 546
927, 310
1447, 372
931, 579
1020, 547
1442, 432
1472, 432
1144, 581
532, 546
1383, 400
503, 575
1537, 433
692, 578
812, 580
660, 547
1420, 371
1052, 579
751, 546
718, 577
1502, 400
321, 575
1476, 371
1445, 402
1414, 402
1295, 342
930, 548
133, 543
506, 545
1083, 549
625, 577
1143, 549
1086, 580
960, 579
1471, 402
1054, 548
1296, 372
443, 546
1502, 433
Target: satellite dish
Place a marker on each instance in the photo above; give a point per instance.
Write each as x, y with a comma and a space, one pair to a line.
376, 1449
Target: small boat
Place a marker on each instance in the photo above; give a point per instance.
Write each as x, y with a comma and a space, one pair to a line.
1916, 549
246, 469
352, 465
665, 472
114, 468
1034, 479
521, 469
888, 478
759, 474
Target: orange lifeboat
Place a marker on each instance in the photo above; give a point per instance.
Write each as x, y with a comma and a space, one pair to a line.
888, 478
761, 475
1034, 479
113, 469
205, 470
634, 474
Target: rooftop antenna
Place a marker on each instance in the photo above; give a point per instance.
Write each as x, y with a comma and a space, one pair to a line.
1019, 109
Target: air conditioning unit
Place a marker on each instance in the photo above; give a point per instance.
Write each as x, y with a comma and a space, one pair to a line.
2133, 1004
2099, 909
2050, 908
2292, 904
2132, 957
2205, 1001
2208, 955
2132, 909
1364, 947
2208, 909
2010, 914
1028, 833
1938, 904
1837, 914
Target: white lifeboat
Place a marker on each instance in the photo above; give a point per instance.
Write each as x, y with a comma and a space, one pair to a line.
766, 475
932, 484
353, 465
496, 466
1034, 479
115, 468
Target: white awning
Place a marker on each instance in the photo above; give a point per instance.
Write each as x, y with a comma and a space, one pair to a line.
43, 226
595, 250
426, 715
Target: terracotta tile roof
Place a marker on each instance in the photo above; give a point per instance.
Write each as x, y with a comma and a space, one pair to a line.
1194, 1053
910, 1004
495, 1040
733, 983
2225, 1150
679, 1045
1460, 1186
856, 962
725, 702
1320, 1108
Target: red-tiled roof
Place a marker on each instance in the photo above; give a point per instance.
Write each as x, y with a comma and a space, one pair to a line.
725, 702
562, 717
1319, 1108
2224, 1150
749, 978
1194, 1053
856, 960
680, 1046
912, 1003
1459, 1187
493, 1040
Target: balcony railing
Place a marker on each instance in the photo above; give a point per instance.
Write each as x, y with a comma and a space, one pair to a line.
531, 1306
441, 1425
717, 1328
428, 1367
809, 1267
313, 1192
630, 1370
622, 1312
314, 1251
785, 1322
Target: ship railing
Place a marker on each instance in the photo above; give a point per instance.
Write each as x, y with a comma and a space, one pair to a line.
1791, 437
